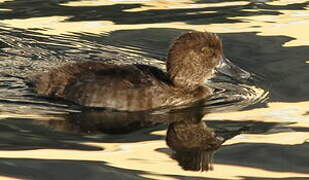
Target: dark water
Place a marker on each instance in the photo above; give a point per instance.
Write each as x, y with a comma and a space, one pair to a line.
29, 122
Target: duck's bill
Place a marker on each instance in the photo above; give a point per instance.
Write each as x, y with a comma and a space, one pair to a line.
227, 68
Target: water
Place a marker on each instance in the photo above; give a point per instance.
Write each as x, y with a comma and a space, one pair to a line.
257, 130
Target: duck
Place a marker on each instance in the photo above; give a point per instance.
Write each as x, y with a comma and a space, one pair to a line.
192, 59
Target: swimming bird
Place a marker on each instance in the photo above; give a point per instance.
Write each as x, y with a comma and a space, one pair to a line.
192, 59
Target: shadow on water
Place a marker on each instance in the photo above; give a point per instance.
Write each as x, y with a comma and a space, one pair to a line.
274, 159
65, 169
23, 134
80, 170
120, 14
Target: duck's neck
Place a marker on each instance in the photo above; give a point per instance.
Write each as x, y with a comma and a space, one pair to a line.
188, 83
189, 96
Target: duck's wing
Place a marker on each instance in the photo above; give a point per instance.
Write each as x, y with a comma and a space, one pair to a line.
54, 82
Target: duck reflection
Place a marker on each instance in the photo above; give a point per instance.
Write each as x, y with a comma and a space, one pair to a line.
93, 122
192, 142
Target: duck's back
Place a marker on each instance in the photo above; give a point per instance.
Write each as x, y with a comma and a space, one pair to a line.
97, 84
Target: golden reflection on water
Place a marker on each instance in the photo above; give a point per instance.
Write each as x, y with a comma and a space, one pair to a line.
9, 178
30, 116
292, 23
4, 9
292, 113
149, 160
151, 4
156, 165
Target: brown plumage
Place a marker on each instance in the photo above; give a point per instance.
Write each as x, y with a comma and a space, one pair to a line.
192, 57
191, 60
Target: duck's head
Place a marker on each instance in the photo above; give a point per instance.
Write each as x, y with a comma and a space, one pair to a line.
195, 56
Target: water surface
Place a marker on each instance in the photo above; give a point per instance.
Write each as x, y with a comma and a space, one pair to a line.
264, 125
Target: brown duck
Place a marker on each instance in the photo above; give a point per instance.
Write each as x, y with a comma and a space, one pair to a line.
192, 59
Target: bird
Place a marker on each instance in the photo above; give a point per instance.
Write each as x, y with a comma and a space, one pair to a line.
192, 59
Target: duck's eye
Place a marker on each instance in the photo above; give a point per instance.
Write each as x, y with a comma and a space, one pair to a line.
208, 51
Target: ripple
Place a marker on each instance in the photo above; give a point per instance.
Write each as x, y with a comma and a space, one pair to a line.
232, 97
